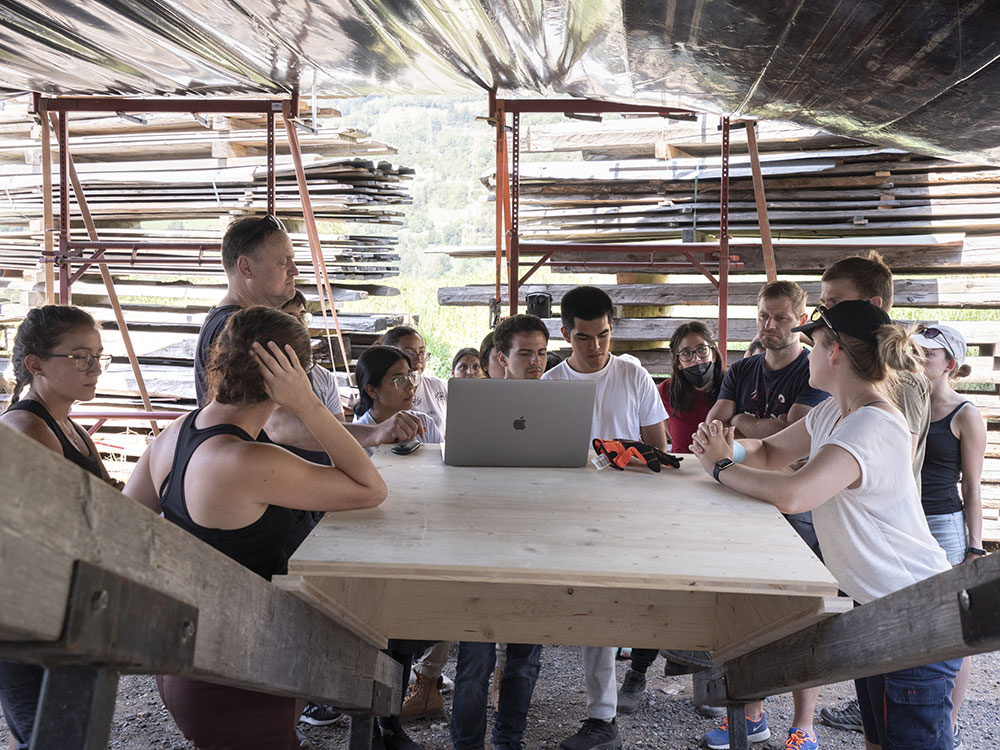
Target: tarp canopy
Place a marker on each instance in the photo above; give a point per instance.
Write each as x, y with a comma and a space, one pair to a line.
919, 75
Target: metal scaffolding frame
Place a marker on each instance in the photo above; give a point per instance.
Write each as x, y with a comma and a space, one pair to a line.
53, 113
703, 256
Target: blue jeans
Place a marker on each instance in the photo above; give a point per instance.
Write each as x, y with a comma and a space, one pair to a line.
949, 531
472, 684
20, 689
909, 709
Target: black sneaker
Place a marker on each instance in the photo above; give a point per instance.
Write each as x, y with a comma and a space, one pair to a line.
685, 662
631, 692
318, 715
846, 717
594, 735
393, 736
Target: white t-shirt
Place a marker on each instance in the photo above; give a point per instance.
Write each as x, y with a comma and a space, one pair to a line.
431, 433
324, 385
431, 397
874, 538
626, 397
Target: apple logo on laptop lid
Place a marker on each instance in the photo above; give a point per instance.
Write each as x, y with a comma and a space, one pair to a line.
519, 423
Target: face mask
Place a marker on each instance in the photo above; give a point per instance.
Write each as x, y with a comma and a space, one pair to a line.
700, 375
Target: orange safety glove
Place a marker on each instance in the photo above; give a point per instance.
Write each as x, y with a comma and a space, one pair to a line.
621, 452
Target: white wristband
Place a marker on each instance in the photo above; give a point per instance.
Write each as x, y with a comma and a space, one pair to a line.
739, 453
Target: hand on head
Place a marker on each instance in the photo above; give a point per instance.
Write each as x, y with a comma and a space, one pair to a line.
285, 382
711, 442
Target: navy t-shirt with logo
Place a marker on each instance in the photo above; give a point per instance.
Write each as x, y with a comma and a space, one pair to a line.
767, 394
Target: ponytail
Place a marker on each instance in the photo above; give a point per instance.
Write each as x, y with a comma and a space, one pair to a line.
960, 372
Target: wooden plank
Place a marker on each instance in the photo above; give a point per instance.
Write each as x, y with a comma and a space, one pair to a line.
250, 634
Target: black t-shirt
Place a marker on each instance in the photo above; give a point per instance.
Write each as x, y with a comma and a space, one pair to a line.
767, 394
215, 321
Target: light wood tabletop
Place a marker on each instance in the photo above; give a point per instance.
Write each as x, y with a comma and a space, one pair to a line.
567, 556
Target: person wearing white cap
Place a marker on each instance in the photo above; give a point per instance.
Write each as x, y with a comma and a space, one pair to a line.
956, 443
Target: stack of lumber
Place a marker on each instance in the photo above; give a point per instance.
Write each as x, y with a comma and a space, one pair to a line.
183, 178
646, 180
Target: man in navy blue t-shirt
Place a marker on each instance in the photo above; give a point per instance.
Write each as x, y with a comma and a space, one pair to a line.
760, 396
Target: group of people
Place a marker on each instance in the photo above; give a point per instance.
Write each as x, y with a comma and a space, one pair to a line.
860, 441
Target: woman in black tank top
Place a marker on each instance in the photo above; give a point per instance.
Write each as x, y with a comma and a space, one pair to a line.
210, 475
58, 356
953, 461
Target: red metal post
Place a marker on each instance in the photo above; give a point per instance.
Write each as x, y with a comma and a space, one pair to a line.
270, 163
513, 257
724, 244
62, 137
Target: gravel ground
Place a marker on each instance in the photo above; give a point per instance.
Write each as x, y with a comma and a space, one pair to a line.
667, 720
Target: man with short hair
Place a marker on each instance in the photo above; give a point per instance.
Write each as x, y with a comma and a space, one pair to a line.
260, 268
867, 277
760, 396
626, 407
521, 342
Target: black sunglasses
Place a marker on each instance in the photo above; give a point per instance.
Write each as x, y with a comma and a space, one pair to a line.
933, 333
263, 224
820, 314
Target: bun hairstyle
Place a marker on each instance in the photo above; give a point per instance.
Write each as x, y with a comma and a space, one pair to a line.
40, 332
879, 363
373, 364
959, 372
233, 374
681, 392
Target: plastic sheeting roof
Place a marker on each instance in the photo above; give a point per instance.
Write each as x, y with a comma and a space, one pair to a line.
918, 75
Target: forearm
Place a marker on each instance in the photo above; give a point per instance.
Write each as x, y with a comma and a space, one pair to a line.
755, 427
784, 491
655, 435
364, 434
285, 428
343, 449
973, 505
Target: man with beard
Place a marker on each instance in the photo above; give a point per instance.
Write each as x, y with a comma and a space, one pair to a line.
760, 396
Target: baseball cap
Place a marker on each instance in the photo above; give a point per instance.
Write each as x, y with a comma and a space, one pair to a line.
857, 317
941, 337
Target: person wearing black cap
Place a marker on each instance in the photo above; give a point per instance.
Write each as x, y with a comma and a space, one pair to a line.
866, 507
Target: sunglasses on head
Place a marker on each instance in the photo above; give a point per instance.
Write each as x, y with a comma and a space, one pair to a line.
263, 224
931, 332
820, 313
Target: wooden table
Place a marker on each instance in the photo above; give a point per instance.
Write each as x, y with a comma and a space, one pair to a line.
563, 556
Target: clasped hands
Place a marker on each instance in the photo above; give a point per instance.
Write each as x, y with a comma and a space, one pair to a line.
711, 442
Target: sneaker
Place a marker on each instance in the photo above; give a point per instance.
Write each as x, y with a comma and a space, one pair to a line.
631, 692
685, 662
799, 740
595, 734
958, 739
304, 742
393, 735
423, 701
318, 715
846, 717
711, 712
445, 685
757, 731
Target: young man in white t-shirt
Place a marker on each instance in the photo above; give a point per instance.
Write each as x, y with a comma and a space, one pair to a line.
627, 407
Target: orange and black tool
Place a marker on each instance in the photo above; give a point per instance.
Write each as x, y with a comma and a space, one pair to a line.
619, 453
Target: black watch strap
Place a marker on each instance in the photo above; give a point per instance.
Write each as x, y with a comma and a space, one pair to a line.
975, 551
722, 463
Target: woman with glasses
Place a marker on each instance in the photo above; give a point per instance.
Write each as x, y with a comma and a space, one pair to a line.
692, 391
210, 476
953, 461
431, 396
387, 384
859, 484
58, 355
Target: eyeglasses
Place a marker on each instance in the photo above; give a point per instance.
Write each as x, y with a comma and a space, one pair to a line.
686, 355
400, 381
414, 354
306, 319
264, 223
85, 361
934, 333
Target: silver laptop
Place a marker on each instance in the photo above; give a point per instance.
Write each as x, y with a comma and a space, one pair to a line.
518, 422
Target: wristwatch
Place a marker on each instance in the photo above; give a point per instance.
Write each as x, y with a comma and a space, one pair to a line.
969, 551
722, 463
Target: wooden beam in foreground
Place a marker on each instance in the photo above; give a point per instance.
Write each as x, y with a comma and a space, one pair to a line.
953, 614
250, 634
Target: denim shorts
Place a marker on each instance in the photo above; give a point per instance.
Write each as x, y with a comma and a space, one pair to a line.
949, 530
909, 709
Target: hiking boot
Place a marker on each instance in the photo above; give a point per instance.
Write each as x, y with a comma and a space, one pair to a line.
685, 662
423, 701
595, 734
631, 692
846, 717
393, 735
718, 738
318, 715
799, 740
